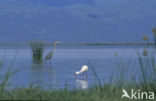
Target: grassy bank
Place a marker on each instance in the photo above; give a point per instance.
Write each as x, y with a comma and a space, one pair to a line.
107, 93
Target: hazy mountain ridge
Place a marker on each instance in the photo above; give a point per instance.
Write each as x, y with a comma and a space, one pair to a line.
55, 3
109, 22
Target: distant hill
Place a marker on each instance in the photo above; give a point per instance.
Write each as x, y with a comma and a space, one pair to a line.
76, 20
55, 3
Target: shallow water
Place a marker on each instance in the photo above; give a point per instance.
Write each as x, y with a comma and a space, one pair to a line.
60, 72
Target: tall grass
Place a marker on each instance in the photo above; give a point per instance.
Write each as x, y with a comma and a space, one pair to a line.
4, 78
154, 32
37, 51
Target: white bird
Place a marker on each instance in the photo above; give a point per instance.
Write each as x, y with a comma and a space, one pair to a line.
125, 94
83, 69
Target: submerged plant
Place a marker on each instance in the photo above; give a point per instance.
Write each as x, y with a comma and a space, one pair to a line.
37, 51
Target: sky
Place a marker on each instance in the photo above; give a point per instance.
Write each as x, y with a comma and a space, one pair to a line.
78, 21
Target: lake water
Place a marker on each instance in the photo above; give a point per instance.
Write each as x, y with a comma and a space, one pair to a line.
60, 72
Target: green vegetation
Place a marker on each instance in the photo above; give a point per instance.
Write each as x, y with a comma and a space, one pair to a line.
94, 94
37, 51
154, 32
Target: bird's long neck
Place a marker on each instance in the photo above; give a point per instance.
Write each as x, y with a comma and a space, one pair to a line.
79, 72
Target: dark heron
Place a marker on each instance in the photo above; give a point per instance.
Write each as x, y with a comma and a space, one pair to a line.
50, 54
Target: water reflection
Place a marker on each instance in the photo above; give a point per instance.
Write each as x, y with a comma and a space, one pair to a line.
41, 74
37, 75
48, 68
83, 84
49, 74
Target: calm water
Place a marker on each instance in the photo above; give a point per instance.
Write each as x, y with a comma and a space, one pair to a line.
60, 72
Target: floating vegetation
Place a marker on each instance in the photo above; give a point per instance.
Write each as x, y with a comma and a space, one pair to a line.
37, 51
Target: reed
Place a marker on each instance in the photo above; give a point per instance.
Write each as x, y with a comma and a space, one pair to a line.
4, 77
37, 51
154, 33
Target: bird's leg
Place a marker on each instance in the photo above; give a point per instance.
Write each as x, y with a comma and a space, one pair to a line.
83, 75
